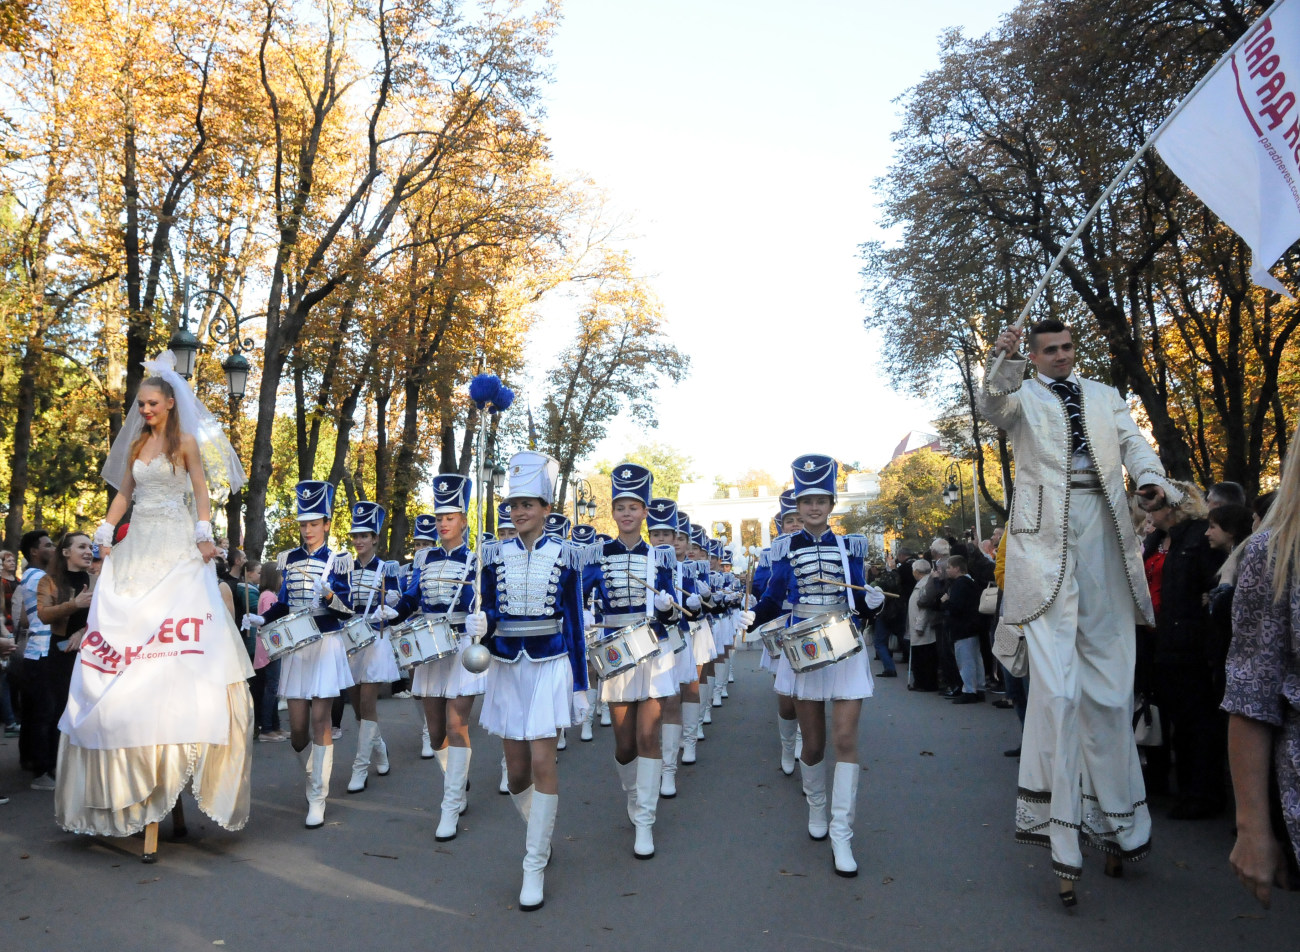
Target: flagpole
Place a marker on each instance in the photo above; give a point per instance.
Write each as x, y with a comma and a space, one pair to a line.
1123, 173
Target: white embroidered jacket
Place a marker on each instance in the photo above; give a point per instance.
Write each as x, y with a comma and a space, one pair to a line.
1035, 420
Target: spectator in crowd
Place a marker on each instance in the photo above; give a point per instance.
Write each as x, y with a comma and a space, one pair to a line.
961, 604
37, 548
1179, 555
890, 620
922, 670
1263, 699
62, 604
949, 676
1229, 528
1261, 506
1226, 493
8, 636
265, 685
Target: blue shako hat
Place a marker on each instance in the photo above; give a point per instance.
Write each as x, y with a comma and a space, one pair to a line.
426, 528
315, 499
451, 493
698, 537
583, 534
662, 514
486, 537
683, 524
503, 516
604, 537
788, 503
631, 481
367, 517
814, 475
557, 526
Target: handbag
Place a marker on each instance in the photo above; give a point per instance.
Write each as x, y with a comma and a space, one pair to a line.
1009, 647
1147, 729
989, 599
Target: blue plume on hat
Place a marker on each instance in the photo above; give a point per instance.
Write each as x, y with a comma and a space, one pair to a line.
483, 389
505, 396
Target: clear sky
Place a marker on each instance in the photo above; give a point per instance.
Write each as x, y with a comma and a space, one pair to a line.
743, 138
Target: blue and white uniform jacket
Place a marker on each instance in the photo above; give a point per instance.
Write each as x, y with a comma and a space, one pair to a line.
613, 574
301, 569
798, 559
441, 583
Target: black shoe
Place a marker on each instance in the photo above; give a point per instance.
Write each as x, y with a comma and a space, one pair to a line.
1004, 703
951, 695
979, 695
887, 674
1015, 752
967, 699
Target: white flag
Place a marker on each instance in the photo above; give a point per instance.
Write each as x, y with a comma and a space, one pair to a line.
1235, 142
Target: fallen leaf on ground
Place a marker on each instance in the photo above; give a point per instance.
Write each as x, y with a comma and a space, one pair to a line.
24, 856
887, 880
787, 873
927, 753
378, 855
145, 882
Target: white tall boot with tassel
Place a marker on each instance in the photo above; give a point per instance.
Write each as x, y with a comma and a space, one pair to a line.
318, 786
454, 800
844, 807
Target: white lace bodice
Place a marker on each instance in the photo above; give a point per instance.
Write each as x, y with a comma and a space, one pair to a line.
161, 532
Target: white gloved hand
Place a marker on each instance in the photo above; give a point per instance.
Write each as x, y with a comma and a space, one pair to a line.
588, 619
251, 621
693, 602
203, 533
384, 613
476, 625
663, 601
104, 534
392, 598
581, 705
746, 619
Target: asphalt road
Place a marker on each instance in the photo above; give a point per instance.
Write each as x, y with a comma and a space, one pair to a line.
734, 868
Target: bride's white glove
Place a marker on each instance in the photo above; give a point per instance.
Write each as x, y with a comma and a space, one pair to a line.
581, 705
693, 602
251, 621
202, 531
104, 534
663, 601
476, 625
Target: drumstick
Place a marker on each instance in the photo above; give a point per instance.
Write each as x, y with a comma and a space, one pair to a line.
856, 588
651, 588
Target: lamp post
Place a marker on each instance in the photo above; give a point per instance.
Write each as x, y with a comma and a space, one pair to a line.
954, 491
584, 501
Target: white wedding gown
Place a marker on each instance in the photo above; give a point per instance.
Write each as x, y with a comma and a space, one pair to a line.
159, 696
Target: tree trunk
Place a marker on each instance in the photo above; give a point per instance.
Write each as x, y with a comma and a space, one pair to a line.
22, 445
404, 470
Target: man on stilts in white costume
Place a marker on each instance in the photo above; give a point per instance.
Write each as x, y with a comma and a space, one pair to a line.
1071, 555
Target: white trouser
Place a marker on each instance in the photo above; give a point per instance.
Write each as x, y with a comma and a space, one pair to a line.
1079, 768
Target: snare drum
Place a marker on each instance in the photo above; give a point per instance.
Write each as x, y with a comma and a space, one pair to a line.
770, 633
288, 634
623, 649
357, 634
422, 640
820, 641
675, 642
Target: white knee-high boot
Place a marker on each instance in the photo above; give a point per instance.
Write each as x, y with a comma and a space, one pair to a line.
671, 735
592, 693
604, 714
627, 779
788, 729
844, 807
725, 678
541, 826
453, 793
426, 743
719, 681
318, 784
380, 753
706, 701
361, 764
649, 774
690, 730
504, 785
814, 790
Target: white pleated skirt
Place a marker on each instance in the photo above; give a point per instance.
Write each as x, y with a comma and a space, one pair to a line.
847, 680
526, 699
722, 634
684, 662
319, 670
767, 662
376, 663
447, 677
656, 677
702, 644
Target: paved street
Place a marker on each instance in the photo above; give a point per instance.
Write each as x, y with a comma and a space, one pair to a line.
734, 870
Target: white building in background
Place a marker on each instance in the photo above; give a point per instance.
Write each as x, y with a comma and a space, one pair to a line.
725, 513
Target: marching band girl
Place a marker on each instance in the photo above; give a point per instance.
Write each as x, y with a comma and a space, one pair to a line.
532, 617
374, 586
632, 582
316, 578
699, 567
661, 526
787, 721
585, 535
505, 532
423, 537
810, 569
701, 645
439, 588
